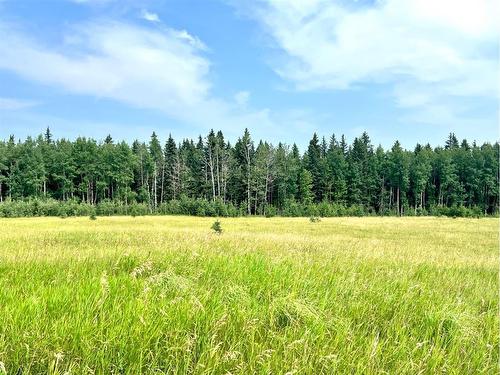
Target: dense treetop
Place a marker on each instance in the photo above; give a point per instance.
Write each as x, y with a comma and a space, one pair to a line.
253, 177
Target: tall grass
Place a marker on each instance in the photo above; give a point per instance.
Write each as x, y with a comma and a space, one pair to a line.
281, 295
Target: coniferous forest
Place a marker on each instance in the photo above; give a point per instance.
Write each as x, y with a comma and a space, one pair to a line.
209, 176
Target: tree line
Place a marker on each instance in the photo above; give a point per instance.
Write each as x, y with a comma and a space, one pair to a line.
253, 178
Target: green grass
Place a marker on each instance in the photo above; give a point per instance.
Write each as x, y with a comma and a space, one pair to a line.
167, 295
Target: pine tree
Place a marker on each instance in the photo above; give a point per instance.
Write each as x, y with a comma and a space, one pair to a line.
48, 136
171, 170
336, 169
312, 162
244, 159
451, 142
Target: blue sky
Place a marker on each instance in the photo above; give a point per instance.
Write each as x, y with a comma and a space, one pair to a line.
411, 70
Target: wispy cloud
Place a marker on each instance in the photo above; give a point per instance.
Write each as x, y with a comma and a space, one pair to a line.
150, 69
429, 51
150, 16
160, 69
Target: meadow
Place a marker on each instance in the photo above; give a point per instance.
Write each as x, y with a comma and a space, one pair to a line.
164, 294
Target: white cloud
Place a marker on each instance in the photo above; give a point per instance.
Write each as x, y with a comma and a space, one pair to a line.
149, 16
161, 69
12, 104
194, 41
149, 69
428, 50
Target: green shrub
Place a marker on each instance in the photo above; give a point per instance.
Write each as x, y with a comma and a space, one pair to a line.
218, 208
216, 227
270, 211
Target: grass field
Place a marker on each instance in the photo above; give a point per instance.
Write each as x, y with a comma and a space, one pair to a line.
268, 296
